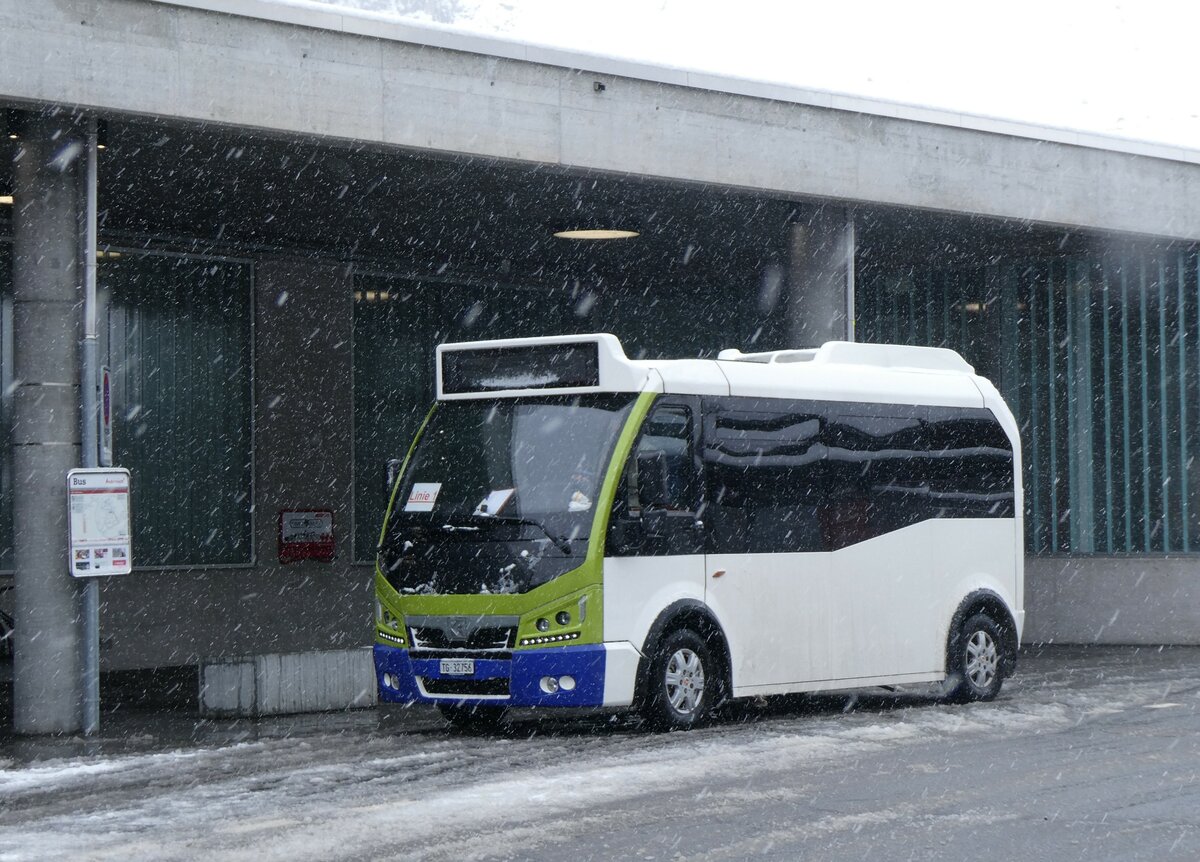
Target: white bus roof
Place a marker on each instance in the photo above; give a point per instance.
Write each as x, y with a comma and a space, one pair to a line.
836, 371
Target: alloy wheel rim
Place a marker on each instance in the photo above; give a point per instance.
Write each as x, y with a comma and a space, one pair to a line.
685, 681
982, 659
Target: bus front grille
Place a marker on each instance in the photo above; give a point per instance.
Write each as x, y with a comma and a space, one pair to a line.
462, 633
466, 687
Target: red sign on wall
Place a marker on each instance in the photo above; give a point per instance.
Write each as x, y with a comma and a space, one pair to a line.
306, 534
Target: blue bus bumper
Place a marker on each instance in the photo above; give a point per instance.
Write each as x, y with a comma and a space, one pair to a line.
509, 682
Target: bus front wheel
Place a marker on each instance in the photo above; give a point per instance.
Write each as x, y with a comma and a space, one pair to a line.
976, 661
681, 684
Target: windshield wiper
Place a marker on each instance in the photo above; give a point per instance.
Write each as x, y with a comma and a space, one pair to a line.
560, 542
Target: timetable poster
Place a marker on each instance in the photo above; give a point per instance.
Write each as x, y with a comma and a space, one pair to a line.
101, 534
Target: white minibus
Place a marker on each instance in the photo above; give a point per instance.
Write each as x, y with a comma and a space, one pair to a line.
572, 528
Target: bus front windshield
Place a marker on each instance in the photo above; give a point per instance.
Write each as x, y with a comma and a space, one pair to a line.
499, 494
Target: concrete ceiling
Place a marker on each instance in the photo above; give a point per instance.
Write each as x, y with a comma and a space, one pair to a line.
211, 188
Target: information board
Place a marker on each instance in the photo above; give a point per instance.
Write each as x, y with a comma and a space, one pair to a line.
306, 534
101, 535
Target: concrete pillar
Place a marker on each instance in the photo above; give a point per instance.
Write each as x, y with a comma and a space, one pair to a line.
821, 278
46, 313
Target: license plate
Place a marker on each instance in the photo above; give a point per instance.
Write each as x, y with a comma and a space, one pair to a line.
457, 666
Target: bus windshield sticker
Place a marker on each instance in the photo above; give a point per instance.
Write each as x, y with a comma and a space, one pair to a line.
494, 502
423, 496
579, 502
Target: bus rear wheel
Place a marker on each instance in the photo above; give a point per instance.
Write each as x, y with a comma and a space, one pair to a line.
472, 719
682, 683
976, 661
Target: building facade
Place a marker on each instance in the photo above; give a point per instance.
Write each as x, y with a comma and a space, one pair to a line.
295, 207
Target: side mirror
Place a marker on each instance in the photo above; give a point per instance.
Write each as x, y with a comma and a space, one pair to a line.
391, 474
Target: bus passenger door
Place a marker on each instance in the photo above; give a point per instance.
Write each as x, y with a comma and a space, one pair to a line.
654, 551
768, 578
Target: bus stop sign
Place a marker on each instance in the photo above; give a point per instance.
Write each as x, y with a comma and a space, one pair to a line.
101, 534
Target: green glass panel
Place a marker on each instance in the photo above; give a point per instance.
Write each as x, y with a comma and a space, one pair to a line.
179, 336
1097, 358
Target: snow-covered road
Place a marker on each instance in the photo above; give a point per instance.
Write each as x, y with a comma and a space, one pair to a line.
777, 781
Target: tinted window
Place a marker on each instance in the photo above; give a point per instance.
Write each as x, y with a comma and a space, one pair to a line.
660, 478
765, 469
818, 476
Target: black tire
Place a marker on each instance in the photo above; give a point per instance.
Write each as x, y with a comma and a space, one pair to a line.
976, 663
682, 684
472, 719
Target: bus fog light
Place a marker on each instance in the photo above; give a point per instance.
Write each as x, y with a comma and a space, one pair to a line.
566, 683
549, 684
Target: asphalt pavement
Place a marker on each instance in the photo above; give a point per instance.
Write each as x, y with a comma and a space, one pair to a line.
1089, 753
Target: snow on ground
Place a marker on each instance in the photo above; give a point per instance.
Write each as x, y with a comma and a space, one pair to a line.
361, 791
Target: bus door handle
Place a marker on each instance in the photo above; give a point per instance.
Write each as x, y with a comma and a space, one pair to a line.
718, 573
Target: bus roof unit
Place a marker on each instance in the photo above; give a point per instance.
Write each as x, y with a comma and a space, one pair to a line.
836, 371
855, 353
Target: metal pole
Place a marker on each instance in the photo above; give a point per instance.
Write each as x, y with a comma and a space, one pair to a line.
850, 238
89, 402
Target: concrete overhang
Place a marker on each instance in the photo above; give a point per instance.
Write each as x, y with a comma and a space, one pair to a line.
305, 71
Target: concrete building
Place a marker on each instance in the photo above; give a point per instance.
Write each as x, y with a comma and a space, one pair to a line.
295, 206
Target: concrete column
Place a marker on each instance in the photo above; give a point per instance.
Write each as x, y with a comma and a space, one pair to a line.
46, 314
821, 278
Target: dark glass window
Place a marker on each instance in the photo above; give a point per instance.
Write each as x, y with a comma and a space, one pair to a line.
179, 336
819, 476
658, 499
765, 471
538, 366
178, 332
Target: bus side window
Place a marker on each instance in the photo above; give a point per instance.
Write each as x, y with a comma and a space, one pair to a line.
764, 466
664, 462
660, 480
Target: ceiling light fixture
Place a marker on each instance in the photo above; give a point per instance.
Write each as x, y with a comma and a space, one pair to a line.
6, 200
597, 233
